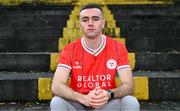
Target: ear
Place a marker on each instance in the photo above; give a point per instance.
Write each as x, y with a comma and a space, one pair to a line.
103, 24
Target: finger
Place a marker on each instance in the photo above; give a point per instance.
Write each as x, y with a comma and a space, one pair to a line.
98, 105
97, 101
100, 96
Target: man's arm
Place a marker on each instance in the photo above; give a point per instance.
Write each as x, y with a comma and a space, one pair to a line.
127, 84
59, 85
61, 89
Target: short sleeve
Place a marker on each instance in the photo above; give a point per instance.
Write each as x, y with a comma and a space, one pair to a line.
65, 58
123, 61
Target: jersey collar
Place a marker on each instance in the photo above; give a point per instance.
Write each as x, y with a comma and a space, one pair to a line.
98, 50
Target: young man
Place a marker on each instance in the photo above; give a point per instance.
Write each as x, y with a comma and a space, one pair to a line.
92, 63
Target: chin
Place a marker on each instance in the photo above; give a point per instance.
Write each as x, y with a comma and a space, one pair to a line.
91, 36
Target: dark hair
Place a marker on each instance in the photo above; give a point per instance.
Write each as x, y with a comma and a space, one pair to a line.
92, 5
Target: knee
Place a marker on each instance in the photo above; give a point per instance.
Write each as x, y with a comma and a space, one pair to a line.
57, 103
131, 101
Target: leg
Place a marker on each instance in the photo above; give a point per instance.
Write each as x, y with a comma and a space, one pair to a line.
113, 105
127, 103
58, 104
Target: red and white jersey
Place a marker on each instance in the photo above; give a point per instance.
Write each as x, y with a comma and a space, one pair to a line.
91, 68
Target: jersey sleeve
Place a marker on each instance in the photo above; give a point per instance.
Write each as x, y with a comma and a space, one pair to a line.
65, 58
123, 61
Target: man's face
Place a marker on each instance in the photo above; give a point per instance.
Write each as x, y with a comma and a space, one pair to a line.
92, 22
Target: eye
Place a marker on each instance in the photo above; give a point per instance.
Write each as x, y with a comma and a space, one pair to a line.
84, 20
95, 19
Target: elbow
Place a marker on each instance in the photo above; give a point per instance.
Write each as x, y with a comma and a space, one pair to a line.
54, 90
131, 89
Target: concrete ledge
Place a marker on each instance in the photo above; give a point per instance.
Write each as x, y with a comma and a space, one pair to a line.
154, 61
141, 91
22, 62
162, 85
127, 11
19, 2
153, 44
30, 21
160, 106
15, 30
62, 42
44, 106
28, 45
54, 57
151, 86
48, 61
69, 2
44, 89
141, 88
20, 86
18, 90
132, 2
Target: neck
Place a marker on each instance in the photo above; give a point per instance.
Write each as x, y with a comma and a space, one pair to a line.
93, 43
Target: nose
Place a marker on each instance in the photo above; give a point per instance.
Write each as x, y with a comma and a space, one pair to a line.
90, 22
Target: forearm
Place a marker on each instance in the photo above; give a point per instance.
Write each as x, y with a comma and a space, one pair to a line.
123, 90
127, 84
66, 92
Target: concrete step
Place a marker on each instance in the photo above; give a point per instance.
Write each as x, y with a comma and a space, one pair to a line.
44, 106
56, 21
20, 86
34, 13
24, 106
28, 45
33, 86
162, 85
148, 61
153, 9
25, 62
155, 61
33, 21
149, 26
148, 22
45, 61
37, 7
29, 32
135, 30
152, 44
160, 106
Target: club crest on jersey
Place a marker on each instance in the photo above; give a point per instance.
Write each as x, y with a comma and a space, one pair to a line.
111, 64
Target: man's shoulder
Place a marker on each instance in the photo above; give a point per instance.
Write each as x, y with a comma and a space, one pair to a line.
111, 40
72, 44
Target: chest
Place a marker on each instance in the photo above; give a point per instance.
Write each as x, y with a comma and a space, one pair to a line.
103, 63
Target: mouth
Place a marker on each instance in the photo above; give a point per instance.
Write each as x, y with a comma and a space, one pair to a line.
90, 30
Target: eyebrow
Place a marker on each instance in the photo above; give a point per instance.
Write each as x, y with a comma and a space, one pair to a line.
91, 17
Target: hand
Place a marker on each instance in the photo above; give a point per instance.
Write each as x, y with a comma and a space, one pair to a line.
86, 99
95, 98
99, 98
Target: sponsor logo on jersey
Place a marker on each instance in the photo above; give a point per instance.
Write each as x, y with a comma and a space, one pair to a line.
77, 65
